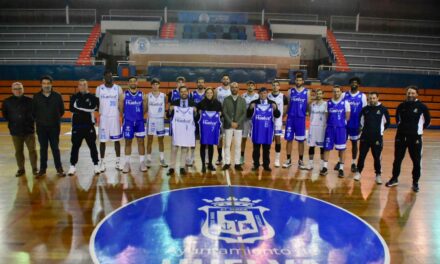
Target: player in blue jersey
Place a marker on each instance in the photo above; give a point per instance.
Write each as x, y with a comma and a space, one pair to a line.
337, 114
133, 105
299, 100
197, 96
174, 94
262, 113
357, 101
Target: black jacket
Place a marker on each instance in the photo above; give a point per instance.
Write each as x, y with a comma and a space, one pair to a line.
250, 111
47, 111
412, 117
374, 120
210, 105
81, 117
18, 112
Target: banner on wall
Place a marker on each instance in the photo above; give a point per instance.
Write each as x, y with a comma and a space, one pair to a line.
212, 17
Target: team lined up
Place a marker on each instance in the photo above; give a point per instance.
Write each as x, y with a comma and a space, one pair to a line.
214, 116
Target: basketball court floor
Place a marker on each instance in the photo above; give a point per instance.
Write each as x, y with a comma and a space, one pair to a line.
286, 216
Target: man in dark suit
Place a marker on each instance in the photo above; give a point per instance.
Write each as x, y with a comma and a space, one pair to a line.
262, 127
184, 101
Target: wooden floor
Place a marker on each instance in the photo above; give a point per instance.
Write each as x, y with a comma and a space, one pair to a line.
50, 220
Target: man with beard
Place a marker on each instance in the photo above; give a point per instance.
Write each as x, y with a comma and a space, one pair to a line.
412, 116
357, 101
221, 93
282, 103
133, 106
299, 99
83, 105
249, 96
47, 109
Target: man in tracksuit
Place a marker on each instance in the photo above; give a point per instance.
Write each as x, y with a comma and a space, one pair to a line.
374, 119
412, 116
83, 105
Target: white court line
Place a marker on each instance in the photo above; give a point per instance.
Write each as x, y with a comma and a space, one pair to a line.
228, 179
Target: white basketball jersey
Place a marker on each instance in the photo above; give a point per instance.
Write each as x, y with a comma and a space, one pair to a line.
249, 98
183, 127
108, 100
279, 100
317, 114
156, 105
222, 93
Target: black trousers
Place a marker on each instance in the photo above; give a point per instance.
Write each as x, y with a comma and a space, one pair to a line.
376, 146
414, 144
203, 148
266, 155
78, 134
49, 135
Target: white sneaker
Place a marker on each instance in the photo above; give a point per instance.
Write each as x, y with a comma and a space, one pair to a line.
148, 163
301, 165
287, 163
378, 179
102, 166
118, 166
277, 163
72, 170
126, 167
96, 169
143, 167
163, 163
357, 176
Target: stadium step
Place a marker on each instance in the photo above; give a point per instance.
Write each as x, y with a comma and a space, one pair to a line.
85, 55
261, 33
168, 31
341, 62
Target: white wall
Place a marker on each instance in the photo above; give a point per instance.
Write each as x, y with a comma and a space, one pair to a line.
129, 25
299, 29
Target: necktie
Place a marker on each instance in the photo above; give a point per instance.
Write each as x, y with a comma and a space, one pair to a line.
184, 104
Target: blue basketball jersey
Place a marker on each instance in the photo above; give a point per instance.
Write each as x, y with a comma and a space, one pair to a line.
209, 125
262, 124
133, 106
298, 103
175, 95
355, 102
336, 113
196, 97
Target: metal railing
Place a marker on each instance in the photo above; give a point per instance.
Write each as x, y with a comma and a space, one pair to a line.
130, 18
18, 61
382, 68
47, 16
298, 22
212, 64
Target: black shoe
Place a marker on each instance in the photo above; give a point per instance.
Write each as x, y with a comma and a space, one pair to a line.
392, 182
20, 173
341, 173
415, 187
211, 167
203, 168
40, 173
226, 167
182, 171
35, 172
255, 168
353, 168
219, 162
267, 168
336, 166
323, 172
170, 172
238, 167
60, 172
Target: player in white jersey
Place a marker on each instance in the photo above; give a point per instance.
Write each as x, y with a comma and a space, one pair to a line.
249, 96
221, 93
318, 120
109, 95
156, 121
132, 105
281, 100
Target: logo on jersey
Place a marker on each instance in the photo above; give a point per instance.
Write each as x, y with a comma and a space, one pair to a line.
236, 220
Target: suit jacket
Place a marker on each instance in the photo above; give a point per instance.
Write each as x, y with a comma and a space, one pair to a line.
276, 111
228, 112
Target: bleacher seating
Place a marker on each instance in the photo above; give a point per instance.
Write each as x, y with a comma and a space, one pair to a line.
390, 97
214, 31
43, 42
390, 50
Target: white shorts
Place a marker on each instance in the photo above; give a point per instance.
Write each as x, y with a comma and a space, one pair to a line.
316, 136
109, 129
278, 126
156, 127
247, 128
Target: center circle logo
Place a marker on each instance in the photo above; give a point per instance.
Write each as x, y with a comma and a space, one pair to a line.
234, 224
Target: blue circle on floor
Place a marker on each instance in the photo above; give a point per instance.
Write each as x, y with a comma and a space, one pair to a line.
234, 224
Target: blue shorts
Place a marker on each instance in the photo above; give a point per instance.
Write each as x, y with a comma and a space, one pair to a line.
295, 128
353, 133
133, 128
335, 137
